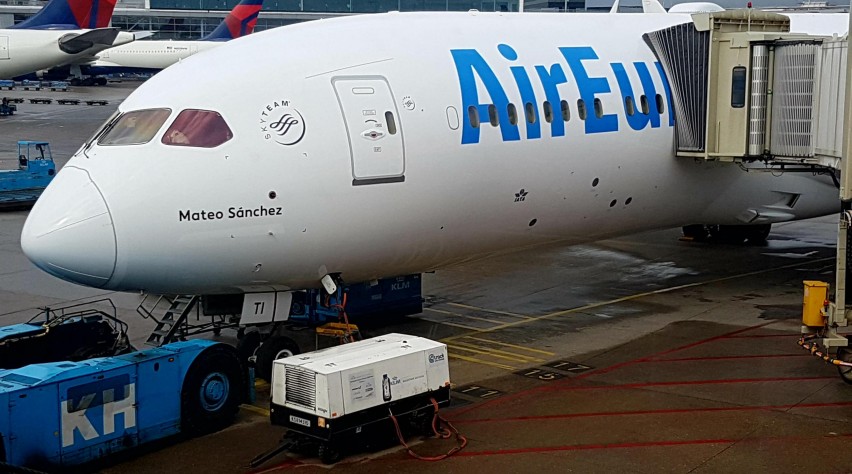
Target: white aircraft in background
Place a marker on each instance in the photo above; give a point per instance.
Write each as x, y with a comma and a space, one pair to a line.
62, 32
154, 55
380, 145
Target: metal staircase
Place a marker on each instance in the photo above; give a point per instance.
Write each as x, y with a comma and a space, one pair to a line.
169, 326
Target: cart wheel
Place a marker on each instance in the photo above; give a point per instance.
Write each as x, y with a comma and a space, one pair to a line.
274, 348
212, 390
329, 454
845, 354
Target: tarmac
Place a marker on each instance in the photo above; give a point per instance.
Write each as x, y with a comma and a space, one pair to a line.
639, 354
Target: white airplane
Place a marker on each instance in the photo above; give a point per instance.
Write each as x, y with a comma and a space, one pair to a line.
62, 32
380, 145
154, 55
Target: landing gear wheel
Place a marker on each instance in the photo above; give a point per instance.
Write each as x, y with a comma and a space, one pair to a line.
728, 234
212, 390
274, 348
695, 232
328, 454
248, 343
757, 234
845, 354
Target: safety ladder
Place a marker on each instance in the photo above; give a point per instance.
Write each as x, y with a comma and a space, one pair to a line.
169, 325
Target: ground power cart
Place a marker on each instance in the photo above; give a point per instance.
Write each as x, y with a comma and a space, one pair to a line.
342, 398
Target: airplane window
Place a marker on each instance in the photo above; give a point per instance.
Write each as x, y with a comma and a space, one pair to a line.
391, 122
530, 112
198, 128
492, 115
473, 115
629, 105
566, 112
513, 114
738, 87
598, 108
581, 109
661, 107
643, 102
548, 111
135, 128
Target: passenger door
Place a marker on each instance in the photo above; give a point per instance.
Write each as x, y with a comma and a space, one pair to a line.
375, 135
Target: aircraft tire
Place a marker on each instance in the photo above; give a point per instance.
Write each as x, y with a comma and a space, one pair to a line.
212, 390
845, 354
696, 232
757, 234
273, 348
728, 234
248, 344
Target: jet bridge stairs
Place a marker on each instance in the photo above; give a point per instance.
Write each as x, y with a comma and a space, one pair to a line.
744, 89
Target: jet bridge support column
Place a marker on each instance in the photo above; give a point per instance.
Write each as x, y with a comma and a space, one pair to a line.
837, 314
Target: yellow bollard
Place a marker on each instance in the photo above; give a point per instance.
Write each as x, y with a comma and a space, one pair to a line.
816, 294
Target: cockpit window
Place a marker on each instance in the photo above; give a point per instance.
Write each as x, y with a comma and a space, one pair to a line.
198, 128
135, 128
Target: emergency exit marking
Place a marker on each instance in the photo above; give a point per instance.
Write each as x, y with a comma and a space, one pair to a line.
568, 366
478, 391
540, 374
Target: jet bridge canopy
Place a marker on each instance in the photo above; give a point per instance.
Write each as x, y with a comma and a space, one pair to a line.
746, 89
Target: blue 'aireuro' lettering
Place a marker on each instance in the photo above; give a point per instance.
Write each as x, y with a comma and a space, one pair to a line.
469, 65
589, 87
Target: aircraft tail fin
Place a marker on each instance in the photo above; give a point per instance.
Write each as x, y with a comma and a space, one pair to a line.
71, 15
239, 22
652, 6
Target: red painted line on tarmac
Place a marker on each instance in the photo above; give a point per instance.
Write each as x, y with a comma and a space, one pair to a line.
701, 359
670, 351
604, 370
278, 467
666, 411
791, 335
685, 382
650, 444
585, 447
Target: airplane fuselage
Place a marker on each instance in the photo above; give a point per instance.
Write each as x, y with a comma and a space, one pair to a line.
23, 51
152, 55
399, 143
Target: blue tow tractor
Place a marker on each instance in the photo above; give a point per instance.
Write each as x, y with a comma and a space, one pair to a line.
35, 169
63, 414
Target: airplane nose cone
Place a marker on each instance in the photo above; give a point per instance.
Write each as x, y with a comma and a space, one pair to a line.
69, 232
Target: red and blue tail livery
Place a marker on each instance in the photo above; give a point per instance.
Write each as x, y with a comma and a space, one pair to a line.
70, 15
239, 22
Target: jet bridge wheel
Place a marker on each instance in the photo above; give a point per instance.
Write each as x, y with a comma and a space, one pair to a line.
212, 390
845, 354
273, 348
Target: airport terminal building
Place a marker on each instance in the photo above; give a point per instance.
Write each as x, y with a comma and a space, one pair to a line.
190, 19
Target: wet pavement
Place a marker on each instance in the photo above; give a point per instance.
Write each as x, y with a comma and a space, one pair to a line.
642, 354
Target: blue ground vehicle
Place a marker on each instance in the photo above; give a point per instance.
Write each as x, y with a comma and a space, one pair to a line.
63, 414
22, 186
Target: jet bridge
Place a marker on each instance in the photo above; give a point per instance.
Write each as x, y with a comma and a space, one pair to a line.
745, 89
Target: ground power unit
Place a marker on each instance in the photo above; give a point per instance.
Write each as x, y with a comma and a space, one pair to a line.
343, 397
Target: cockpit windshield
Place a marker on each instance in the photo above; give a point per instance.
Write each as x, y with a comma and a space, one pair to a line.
198, 128
135, 128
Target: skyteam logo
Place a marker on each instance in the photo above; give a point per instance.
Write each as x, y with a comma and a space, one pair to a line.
282, 124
